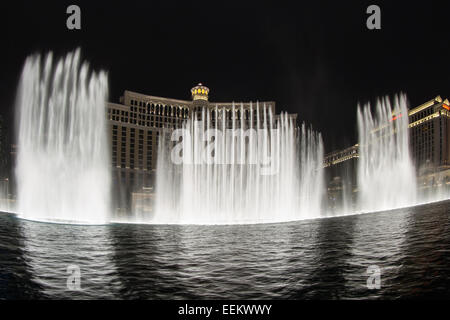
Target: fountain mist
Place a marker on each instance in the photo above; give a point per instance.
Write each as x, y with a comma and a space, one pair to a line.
269, 173
62, 162
386, 174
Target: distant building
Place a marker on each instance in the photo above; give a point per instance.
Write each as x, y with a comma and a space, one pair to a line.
429, 132
336, 157
137, 121
429, 126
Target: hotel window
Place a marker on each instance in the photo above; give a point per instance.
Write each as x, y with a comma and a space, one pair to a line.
149, 150
122, 159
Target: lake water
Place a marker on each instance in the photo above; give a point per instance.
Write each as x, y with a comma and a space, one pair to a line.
311, 259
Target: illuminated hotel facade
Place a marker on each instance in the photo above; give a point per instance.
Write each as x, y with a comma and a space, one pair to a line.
137, 121
429, 126
429, 138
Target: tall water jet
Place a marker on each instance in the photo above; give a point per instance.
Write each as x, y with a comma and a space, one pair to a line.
62, 161
386, 174
212, 173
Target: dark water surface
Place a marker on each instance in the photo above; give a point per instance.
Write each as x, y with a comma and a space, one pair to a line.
315, 259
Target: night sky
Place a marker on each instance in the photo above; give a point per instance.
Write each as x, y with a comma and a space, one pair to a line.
316, 58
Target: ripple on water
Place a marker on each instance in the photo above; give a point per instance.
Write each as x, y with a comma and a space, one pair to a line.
324, 258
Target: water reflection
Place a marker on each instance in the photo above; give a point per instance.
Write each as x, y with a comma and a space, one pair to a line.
426, 256
146, 258
328, 255
16, 279
316, 259
48, 249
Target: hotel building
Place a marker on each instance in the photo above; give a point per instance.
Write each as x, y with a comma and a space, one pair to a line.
429, 126
137, 121
429, 138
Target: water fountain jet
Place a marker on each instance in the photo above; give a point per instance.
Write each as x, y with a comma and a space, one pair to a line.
62, 166
236, 186
386, 173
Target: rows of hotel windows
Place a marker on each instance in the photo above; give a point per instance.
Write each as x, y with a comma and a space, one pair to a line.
147, 120
423, 142
183, 111
154, 108
233, 119
423, 136
134, 116
154, 116
246, 112
141, 147
422, 114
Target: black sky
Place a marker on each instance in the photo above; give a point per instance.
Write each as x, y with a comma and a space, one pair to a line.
316, 58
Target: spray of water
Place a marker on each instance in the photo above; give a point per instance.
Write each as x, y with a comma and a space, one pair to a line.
263, 170
386, 174
62, 162
267, 173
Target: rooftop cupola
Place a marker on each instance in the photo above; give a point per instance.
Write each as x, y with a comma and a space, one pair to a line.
200, 92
